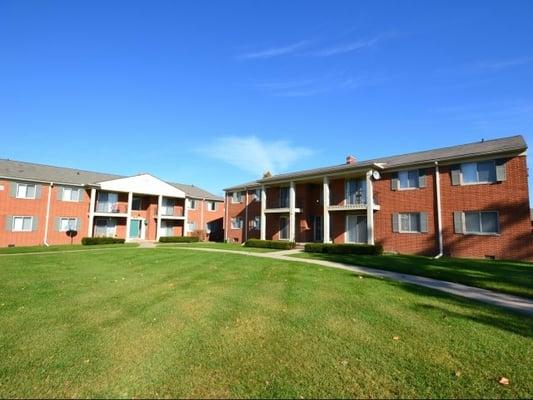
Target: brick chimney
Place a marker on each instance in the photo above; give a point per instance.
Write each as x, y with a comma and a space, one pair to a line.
350, 159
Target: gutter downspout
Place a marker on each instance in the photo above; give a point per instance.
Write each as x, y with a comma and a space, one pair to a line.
246, 215
439, 212
225, 222
47, 218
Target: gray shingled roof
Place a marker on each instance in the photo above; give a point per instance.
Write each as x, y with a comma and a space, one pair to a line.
47, 173
502, 145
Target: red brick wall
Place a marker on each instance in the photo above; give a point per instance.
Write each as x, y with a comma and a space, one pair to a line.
397, 201
235, 210
510, 198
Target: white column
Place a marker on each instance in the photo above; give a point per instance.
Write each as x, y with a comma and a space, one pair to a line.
226, 212
159, 210
92, 204
263, 215
326, 235
292, 213
369, 208
246, 214
186, 215
128, 218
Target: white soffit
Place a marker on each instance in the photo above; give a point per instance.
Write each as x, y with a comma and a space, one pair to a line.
142, 184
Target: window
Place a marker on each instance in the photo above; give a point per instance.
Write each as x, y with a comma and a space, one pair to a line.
284, 197
236, 197
168, 206
236, 223
478, 172
408, 179
22, 224
167, 228
192, 204
355, 191
136, 203
356, 228
107, 202
255, 224
66, 224
410, 222
70, 194
105, 227
211, 206
256, 194
482, 222
191, 226
25, 191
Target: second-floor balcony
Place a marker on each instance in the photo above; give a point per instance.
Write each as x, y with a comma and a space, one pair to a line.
171, 212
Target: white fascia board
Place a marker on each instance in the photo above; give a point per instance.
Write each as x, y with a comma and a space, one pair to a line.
142, 184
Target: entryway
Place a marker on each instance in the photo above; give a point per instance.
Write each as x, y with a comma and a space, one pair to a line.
356, 230
136, 228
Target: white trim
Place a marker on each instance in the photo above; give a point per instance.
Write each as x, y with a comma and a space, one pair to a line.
67, 218
159, 211
462, 183
400, 230
21, 216
128, 218
498, 228
292, 212
369, 208
246, 227
92, 205
326, 234
26, 184
346, 227
263, 215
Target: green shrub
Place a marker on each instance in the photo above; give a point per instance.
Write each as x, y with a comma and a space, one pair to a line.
89, 241
314, 247
270, 244
345, 248
179, 239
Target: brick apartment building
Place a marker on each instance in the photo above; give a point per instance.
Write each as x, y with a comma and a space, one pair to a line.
40, 203
469, 200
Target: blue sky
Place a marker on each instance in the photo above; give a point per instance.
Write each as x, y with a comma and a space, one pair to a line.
213, 93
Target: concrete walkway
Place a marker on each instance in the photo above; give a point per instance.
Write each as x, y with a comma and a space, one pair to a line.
515, 303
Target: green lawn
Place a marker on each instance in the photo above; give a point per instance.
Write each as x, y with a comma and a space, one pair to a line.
59, 247
217, 245
156, 323
502, 276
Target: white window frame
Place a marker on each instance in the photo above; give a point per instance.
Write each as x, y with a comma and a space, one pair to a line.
213, 203
256, 223
406, 171
233, 223
400, 230
481, 233
191, 226
166, 228
478, 182
69, 224
236, 199
15, 217
191, 202
26, 191
257, 195
281, 197
70, 190
288, 228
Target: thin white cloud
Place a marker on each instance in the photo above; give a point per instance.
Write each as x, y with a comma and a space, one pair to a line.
502, 64
276, 51
254, 155
318, 85
347, 47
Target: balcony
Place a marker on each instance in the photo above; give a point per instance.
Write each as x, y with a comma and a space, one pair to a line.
170, 212
111, 209
355, 202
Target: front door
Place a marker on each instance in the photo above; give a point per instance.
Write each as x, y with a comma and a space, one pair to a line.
135, 228
283, 228
317, 228
356, 229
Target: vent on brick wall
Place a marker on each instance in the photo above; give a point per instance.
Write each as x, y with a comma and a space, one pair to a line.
489, 257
